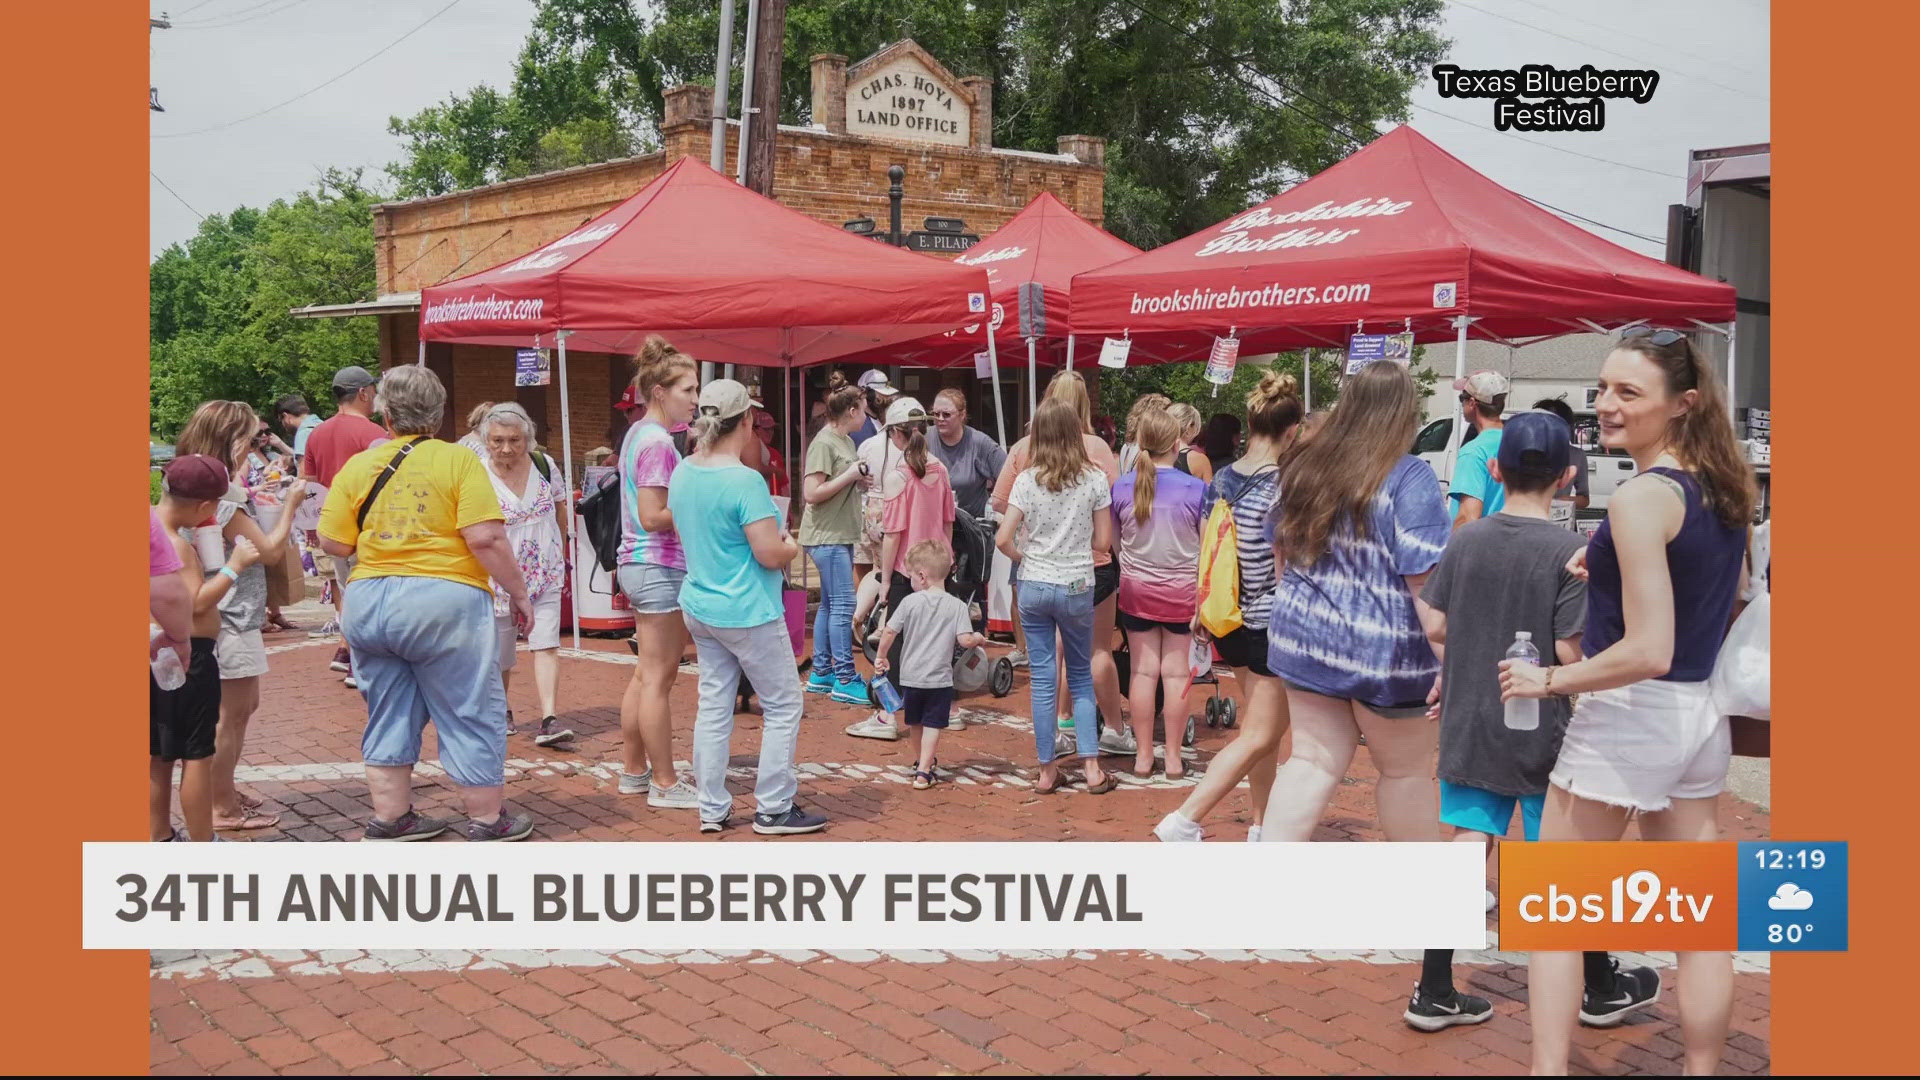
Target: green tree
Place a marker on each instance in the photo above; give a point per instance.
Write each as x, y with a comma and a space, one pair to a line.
1207, 107
218, 318
1187, 382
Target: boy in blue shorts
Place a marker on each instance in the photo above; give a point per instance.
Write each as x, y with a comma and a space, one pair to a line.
1502, 574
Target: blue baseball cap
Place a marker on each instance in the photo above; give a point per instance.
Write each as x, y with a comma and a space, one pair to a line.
1537, 443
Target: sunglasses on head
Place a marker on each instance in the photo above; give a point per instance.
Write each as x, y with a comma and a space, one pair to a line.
1659, 337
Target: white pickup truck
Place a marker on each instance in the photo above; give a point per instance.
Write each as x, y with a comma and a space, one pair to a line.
1606, 469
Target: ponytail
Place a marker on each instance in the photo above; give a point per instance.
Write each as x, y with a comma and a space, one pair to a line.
917, 448
1157, 433
708, 429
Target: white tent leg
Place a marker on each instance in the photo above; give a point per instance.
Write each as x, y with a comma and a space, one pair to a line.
423, 353
1069, 352
1460, 323
993, 368
1306, 381
1033, 383
1733, 407
566, 472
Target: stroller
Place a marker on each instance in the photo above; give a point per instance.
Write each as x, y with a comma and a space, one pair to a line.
973, 669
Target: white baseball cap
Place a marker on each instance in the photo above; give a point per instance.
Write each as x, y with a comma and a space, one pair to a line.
724, 398
905, 411
876, 381
1482, 386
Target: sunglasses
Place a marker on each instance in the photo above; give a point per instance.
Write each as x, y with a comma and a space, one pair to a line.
1656, 336
947, 415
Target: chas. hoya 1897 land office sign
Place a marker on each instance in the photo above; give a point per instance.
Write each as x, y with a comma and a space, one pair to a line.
903, 98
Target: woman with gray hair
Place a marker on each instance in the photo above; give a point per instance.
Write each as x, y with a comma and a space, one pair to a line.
422, 519
533, 498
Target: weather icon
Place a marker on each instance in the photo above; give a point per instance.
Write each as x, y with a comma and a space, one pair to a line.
1790, 897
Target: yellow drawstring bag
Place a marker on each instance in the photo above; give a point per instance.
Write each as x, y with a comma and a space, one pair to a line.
1220, 572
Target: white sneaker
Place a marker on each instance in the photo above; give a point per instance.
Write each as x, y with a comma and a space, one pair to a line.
876, 726
1018, 657
636, 785
1176, 828
1065, 745
956, 722
1492, 900
351, 683
680, 796
1118, 742
1253, 834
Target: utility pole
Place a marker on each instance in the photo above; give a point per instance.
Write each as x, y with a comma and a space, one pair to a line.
770, 31
722, 82
157, 22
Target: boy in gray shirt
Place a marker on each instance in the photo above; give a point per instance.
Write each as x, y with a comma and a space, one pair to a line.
933, 623
1504, 573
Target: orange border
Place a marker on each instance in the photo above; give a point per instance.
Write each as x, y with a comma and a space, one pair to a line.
77, 215
1843, 239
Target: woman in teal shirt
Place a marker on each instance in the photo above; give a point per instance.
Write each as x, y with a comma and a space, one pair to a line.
736, 548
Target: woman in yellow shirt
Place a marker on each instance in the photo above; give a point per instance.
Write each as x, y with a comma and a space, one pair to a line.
425, 540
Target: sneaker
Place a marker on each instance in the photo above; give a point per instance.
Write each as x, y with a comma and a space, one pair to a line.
1019, 657
550, 733
852, 693
342, 660
508, 826
820, 682
327, 629
1492, 900
715, 826
877, 726
956, 722
411, 826
1253, 834
680, 796
1634, 988
1118, 741
1177, 828
511, 730
1435, 1013
636, 785
350, 682
1065, 745
795, 820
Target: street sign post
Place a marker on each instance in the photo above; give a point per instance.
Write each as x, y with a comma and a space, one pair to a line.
941, 242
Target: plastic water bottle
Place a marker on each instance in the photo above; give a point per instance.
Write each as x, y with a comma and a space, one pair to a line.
167, 671
1523, 714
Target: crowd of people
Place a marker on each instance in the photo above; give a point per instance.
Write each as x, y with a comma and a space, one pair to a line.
1364, 604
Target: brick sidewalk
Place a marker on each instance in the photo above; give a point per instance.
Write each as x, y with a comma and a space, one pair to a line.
793, 1013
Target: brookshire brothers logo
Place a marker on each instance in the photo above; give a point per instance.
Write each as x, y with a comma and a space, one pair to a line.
1236, 236
556, 253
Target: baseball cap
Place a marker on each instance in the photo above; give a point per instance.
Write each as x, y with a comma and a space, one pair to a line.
195, 476
875, 380
1535, 442
352, 378
1483, 386
628, 400
724, 398
904, 411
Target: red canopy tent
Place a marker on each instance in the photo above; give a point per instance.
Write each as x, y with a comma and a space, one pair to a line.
1041, 249
730, 275
1401, 235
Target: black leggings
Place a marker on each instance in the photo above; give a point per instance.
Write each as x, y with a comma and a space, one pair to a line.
1436, 973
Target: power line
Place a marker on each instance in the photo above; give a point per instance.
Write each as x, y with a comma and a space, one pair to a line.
1597, 48
229, 18
1357, 141
194, 8
1548, 145
382, 51
1647, 41
176, 195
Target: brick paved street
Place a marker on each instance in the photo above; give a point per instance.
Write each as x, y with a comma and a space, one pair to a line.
914, 1012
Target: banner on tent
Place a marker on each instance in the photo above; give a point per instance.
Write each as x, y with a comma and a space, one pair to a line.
533, 367
1364, 349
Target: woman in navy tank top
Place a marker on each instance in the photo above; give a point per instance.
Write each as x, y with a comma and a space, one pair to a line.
1646, 738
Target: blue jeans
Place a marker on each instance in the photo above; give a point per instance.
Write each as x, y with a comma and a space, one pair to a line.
833, 621
425, 647
1044, 609
763, 654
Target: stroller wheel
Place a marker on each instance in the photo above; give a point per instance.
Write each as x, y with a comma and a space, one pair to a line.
1192, 726
1229, 712
1001, 682
1213, 712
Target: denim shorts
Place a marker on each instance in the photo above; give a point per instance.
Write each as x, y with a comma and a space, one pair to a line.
428, 647
651, 589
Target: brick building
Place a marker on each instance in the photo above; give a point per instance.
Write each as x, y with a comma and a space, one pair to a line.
900, 106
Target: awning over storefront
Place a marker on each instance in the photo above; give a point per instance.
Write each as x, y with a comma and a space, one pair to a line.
724, 273
1400, 236
390, 304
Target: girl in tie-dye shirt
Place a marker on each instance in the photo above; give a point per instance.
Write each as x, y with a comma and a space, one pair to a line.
1356, 527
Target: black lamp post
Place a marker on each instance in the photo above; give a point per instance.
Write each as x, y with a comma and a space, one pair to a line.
895, 192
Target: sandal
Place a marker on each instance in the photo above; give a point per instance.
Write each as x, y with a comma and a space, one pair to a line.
250, 819
924, 780
248, 802
1106, 784
1059, 781
279, 622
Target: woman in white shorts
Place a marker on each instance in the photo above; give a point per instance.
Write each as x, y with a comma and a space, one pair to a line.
224, 431
1646, 738
533, 499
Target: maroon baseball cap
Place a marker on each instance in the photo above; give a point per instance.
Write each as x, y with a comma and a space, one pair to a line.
628, 401
197, 477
